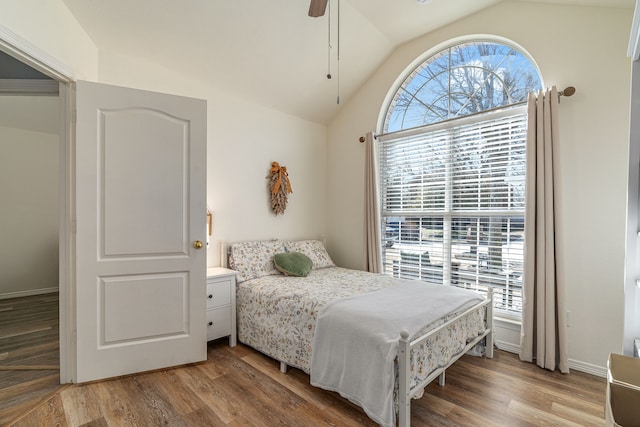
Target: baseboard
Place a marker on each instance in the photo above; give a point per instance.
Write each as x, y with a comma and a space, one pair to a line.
29, 293
588, 368
506, 346
576, 365
509, 331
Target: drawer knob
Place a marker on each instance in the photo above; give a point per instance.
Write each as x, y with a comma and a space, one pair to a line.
210, 323
210, 296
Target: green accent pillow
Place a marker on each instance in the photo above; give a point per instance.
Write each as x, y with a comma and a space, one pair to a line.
293, 263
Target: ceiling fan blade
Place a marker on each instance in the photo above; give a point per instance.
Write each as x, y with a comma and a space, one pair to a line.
317, 8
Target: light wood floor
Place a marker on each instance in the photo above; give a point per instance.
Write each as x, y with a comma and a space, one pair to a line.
29, 353
240, 387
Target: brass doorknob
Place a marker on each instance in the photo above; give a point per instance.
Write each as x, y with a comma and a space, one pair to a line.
197, 244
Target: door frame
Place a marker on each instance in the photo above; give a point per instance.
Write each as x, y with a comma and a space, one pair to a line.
22, 50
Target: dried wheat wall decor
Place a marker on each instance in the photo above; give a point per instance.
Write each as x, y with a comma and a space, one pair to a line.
279, 187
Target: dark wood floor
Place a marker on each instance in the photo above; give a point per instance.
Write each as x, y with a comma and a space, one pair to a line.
29, 353
240, 387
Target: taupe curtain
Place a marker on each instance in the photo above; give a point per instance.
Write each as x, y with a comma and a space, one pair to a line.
543, 335
373, 252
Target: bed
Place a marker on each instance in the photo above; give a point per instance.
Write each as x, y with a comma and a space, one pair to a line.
350, 316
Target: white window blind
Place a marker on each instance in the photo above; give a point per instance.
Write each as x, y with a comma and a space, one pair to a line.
453, 198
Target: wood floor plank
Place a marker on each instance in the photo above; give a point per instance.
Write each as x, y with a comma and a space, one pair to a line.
455, 416
81, 405
28, 336
100, 422
17, 411
183, 399
575, 389
117, 406
255, 407
16, 332
497, 388
151, 407
49, 347
203, 417
241, 387
49, 413
582, 417
261, 390
29, 368
537, 416
46, 381
271, 368
205, 388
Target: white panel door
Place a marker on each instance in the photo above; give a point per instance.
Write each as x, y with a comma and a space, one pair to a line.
140, 189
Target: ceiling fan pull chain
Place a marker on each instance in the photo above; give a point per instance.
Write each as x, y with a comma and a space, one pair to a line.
338, 56
329, 42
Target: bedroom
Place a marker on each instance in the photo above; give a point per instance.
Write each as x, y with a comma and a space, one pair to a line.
580, 46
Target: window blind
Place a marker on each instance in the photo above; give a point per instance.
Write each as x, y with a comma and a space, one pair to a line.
452, 198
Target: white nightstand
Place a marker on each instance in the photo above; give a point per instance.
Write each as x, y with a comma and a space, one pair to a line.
221, 304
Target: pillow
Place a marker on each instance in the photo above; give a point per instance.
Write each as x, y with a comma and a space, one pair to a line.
293, 263
314, 249
254, 259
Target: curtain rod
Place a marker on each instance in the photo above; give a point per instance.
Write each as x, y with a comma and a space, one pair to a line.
567, 91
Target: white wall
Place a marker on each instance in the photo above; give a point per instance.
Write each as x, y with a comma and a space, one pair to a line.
29, 194
580, 46
243, 140
49, 26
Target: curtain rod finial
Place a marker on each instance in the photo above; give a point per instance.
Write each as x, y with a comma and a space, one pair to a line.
361, 139
568, 91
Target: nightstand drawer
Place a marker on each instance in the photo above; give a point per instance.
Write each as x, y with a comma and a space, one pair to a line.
221, 304
218, 323
218, 293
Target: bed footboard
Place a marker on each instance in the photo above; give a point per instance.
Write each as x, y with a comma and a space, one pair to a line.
405, 391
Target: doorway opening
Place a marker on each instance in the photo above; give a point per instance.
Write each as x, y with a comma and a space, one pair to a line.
32, 172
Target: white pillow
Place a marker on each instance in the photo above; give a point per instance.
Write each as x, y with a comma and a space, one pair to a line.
314, 249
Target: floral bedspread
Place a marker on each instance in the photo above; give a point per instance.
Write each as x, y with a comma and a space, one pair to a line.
277, 316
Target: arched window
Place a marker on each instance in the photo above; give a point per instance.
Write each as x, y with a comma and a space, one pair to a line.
461, 80
452, 169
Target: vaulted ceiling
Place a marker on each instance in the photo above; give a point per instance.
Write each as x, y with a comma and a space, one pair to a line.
271, 52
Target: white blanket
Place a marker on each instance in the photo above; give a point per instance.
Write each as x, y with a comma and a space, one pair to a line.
356, 340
